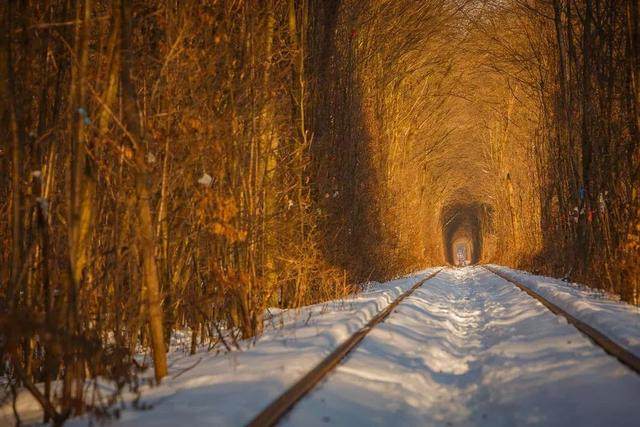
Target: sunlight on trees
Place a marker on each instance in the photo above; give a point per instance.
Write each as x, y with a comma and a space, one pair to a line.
168, 166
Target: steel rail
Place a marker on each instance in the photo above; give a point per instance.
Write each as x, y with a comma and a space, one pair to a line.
287, 400
625, 356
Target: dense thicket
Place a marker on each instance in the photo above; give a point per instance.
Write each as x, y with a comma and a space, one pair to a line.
579, 64
154, 176
591, 220
172, 165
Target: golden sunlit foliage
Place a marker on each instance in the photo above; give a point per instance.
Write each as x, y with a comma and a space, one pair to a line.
186, 165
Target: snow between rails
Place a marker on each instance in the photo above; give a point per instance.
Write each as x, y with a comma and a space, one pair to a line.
471, 349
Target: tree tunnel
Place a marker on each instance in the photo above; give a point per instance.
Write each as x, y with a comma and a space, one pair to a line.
415, 126
463, 226
205, 161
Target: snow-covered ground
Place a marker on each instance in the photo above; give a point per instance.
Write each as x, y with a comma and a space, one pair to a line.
467, 348
230, 388
619, 322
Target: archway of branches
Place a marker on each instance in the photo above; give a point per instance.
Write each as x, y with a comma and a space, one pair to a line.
440, 131
462, 232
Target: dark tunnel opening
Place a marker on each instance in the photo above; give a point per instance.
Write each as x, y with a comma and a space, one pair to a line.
462, 229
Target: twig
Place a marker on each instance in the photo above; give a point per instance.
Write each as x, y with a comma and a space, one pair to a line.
187, 369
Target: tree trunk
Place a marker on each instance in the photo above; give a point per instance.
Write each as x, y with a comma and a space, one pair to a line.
17, 146
145, 222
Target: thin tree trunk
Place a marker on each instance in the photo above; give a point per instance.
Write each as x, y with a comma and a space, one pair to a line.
143, 193
162, 232
17, 147
83, 185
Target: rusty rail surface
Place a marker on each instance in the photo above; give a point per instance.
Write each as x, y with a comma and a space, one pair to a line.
287, 400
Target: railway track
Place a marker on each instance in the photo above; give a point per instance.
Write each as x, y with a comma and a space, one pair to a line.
622, 354
283, 404
275, 411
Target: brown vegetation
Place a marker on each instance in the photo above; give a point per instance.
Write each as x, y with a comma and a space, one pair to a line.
170, 165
